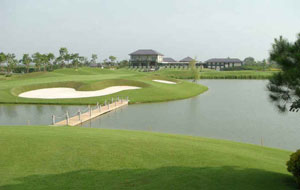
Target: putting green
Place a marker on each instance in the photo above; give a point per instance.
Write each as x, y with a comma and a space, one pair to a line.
94, 79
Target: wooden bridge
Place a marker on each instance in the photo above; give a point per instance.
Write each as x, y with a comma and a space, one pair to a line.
90, 114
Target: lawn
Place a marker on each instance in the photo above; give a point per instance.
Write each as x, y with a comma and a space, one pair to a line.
40, 157
213, 74
88, 79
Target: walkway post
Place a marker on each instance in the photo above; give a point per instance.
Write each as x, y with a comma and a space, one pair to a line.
79, 114
105, 103
67, 118
53, 119
108, 106
112, 100
127, 99
99, 108
116, 103
90, 110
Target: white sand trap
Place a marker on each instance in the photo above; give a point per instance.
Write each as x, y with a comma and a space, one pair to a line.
60, 93
164, 81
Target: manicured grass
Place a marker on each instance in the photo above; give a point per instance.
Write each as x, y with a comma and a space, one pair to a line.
88, 79
39, 157
212, 74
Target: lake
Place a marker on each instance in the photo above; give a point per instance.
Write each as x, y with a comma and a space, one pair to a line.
237, 110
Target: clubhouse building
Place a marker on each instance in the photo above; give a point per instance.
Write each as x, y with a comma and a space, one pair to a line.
220, 63
152, 58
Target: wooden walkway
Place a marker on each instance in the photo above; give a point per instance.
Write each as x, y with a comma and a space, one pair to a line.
90, 114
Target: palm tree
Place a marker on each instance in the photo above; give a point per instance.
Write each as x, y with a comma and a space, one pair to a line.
26, 60
36, 58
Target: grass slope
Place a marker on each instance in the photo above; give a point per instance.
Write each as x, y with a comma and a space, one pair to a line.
80, 158
212, 74
88, 79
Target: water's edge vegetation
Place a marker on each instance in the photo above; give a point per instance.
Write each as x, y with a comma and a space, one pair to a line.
213, 74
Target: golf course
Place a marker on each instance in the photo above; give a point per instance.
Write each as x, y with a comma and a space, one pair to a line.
44, 157
149, 95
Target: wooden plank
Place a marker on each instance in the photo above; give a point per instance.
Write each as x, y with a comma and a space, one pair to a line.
73, 121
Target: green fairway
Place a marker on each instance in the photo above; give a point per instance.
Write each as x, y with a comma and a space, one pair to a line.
89, 79
213, 74
38, 157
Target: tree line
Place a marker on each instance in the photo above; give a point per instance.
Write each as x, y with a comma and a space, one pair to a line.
48, 62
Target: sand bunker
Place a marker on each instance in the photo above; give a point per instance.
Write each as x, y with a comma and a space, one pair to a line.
164, 81
60, 93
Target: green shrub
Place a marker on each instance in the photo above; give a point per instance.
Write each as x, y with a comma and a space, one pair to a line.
294, 166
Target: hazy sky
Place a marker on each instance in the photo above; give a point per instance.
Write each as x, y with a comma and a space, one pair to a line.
176, 28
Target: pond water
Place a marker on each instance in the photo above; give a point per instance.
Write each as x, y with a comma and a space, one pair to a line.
236, 110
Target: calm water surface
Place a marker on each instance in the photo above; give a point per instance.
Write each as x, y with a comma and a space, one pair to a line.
236, 110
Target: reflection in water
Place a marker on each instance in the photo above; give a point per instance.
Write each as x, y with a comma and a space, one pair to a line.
32, 114
11, 111
237, 110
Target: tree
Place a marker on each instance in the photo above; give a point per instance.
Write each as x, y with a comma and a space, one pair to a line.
36, 58
26, 60
58, 61
284, 87
81, 60
124, 63
3, 59
84, 61
194, 70
68, 58
106, 62
249, 61
63, 56
112, 59
293, 166
94, 59
75, 59
45, 61
263, 64
51, 59
11, 62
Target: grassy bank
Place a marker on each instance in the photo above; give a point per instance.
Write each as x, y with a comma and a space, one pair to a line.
79, 158
89, 79
212, 74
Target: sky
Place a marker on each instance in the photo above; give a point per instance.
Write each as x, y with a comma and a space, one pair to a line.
176, 28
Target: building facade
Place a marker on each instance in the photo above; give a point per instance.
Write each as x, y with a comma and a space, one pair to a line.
145, 57
220, 63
